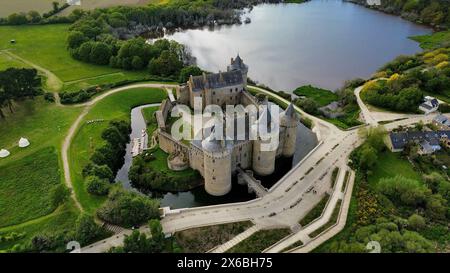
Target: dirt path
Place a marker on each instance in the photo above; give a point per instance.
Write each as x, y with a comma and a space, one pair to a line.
73, 129
53, 83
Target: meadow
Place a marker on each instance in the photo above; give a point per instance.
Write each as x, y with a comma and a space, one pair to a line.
321, 96
391, 165
26, 196
88, 137
28, 174
44, 47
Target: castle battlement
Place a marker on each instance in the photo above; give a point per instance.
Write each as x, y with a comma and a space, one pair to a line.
218, 160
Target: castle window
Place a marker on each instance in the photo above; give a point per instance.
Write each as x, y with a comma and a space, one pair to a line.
214, 161
214, 92
259, 158
235, 89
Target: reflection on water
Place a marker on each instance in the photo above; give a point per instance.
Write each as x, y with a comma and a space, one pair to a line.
321, 42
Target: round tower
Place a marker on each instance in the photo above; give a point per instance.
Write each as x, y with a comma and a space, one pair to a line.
238, 64
217, 167
290, 122
264, 150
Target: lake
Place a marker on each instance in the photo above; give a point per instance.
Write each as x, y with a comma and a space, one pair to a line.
322, 42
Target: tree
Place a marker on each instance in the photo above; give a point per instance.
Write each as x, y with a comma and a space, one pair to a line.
100, 53
55, 6
416, 222
137, 63
103, 171
187, 71
59, 195
84, 51
127, 208
167, 64
97, 186
75, 39
367, 158
17, 19
86, 230
34, 16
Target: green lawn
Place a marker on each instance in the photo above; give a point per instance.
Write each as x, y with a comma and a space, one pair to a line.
260, 240
148, 114
45, 46
202, 239
25, 187
44, 124
7, 61
28, 174
61, 220
315, 212
88, 136
390, 165
433, 40
321, 96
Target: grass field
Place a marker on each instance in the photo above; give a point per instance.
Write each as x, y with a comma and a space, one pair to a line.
15, 6
433, 40
25, 187
391, 165
61, 220
202, 239
43, 123
88, 136
321, 96
7, 61
45, 47
260, 240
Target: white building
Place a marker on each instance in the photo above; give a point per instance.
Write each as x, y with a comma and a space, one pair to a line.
429, 105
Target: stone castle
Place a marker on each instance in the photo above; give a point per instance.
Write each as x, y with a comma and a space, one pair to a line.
218, 160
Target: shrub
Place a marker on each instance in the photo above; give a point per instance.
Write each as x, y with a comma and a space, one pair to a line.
97, 186
127, 208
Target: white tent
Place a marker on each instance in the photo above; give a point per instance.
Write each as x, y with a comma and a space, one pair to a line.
4, 153
23, 142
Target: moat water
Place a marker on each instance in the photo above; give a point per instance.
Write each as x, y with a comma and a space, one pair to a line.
306, 140
321, 42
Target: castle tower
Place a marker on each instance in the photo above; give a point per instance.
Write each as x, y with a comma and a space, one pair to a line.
264, 153
217, 166
238, 64
290, 122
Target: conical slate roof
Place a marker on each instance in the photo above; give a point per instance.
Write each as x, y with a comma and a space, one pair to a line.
4, 153
23, 142
290, 111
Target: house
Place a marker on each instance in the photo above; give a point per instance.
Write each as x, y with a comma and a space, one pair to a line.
441, 122
429, 105
429, 142
426, 147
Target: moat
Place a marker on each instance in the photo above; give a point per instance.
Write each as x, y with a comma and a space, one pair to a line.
306, 141
321, 42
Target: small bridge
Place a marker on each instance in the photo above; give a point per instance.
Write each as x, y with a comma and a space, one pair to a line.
246, 177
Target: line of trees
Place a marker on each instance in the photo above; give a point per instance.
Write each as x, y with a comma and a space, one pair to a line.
435, 13
107, 159
16, 84
34, 17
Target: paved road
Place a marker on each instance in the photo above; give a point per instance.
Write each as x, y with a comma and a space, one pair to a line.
373, 117
287, 201
73, 129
